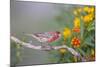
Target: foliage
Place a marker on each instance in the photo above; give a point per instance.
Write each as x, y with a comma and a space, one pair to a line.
15, 54
78, 33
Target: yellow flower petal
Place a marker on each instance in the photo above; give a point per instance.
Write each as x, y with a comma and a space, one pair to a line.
67, 32
86, 8
88, 17
76, 22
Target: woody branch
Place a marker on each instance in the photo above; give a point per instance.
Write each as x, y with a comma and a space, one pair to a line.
39, 47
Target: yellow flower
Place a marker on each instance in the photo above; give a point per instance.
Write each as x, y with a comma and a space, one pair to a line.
76, 22
91, 16
88, 17
62, 50
66, 32
89, 9
86, 8
92, 9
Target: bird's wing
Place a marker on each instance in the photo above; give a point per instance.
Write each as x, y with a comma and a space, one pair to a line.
44, 35
41, 36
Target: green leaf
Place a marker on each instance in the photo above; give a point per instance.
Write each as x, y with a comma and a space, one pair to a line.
82, 28
88, 41
81, 51
90, 44
91, 26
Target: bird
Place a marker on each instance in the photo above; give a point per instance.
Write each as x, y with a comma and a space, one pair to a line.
46, 37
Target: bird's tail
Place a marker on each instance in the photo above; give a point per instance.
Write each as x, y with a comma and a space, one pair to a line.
32, 35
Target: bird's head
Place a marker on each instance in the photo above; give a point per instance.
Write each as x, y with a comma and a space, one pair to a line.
57, 32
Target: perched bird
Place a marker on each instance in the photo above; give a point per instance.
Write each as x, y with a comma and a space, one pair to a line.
46, 37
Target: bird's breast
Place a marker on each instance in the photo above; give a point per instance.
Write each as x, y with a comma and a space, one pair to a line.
54, 38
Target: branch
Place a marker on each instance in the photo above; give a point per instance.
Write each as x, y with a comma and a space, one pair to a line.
25, 44
32, 46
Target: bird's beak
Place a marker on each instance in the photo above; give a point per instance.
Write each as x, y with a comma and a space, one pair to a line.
59, 34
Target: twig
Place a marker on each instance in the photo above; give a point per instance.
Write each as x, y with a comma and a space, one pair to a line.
25, 44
